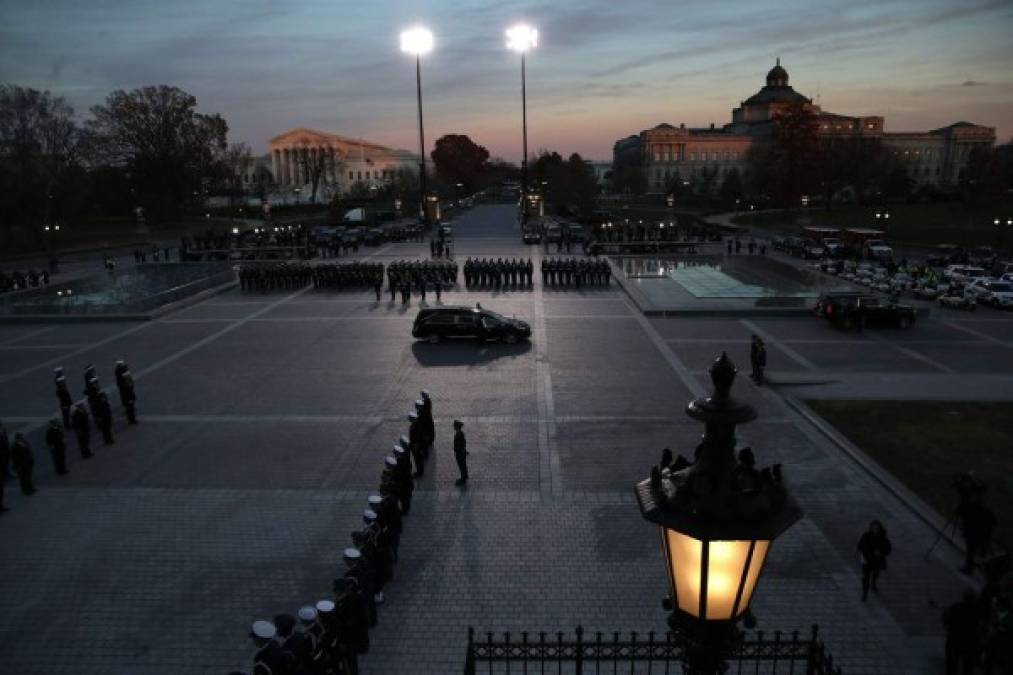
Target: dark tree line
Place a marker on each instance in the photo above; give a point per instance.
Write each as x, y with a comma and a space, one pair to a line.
148, 147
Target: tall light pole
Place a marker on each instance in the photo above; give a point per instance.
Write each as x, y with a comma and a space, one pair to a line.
522, 38
419, 41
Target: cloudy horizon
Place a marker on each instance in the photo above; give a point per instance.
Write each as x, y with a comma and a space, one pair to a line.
602, 70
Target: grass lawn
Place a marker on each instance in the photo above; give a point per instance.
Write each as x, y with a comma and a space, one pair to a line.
912, 224
925, 444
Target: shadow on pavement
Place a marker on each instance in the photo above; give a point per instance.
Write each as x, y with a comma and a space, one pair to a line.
465, 353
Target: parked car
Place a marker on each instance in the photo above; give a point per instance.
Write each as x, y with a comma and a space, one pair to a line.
855, 310
991, 292
553, 234
531, 236
458, 321
957, 302
931, 292
877, 249
963, 273
447, 231
834, 246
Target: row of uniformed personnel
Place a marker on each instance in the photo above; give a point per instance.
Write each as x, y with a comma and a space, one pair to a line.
76, 417
331, 634
348, 275
418, 272
575, 272
274, 276
499, 273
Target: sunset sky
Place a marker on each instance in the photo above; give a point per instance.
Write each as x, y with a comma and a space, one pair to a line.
604, 69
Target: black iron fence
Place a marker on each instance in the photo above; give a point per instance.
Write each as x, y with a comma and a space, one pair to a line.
543, 653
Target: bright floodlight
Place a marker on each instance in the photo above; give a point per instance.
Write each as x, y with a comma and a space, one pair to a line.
522, 37
417, 40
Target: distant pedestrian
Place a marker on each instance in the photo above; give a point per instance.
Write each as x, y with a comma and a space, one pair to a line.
738, 246
438, 287
461, 452
57, 447
729, 247
873, 549
757, 358
24, 463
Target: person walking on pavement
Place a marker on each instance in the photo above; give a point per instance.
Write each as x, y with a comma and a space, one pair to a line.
82, 430
461, 452
24, 463
873, 549
57, 447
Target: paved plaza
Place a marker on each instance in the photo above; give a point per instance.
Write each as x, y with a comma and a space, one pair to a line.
265, 419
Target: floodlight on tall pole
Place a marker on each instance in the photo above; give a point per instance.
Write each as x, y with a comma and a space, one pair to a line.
523, 38
419, 41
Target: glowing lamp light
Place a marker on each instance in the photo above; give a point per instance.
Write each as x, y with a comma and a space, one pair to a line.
712, 580
522, 38
235, 230
417, 40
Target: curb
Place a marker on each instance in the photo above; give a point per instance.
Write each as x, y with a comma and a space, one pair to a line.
901, 492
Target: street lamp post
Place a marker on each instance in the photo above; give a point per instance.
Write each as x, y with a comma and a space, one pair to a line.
718, 517
419, 41
522, 38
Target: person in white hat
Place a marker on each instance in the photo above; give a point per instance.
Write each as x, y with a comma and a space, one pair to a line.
270, 656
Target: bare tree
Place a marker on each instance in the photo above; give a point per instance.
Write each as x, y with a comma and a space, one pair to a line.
315, 163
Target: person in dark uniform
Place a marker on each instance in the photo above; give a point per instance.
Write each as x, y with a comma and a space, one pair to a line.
82, 430
415, 439
361, 574
104, 417
24, 463
978, 523
128, 396
270, 658
461, 452
57, 447
63, 396
757, 358
426, 420
297, 645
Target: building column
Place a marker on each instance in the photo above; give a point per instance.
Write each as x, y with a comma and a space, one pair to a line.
284, 167
275, 166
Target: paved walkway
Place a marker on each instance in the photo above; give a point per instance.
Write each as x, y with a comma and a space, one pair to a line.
265, 419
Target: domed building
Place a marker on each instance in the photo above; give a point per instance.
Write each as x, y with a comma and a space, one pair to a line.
708, 154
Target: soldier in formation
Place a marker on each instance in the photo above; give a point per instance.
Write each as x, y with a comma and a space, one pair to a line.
348, 275
63, 396
82, 430
125, 385
57, 447
405, 275
513, 273
574, 272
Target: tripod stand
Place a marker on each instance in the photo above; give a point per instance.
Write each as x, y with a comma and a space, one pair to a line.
951, 523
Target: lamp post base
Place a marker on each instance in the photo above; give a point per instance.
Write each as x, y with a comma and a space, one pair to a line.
705, 644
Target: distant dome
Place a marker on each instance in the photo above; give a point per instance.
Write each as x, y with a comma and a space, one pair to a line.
778, 76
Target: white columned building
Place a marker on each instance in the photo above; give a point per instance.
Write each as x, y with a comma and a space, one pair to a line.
342, 162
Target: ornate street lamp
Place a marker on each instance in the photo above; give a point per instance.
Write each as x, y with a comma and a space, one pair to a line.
718, 518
